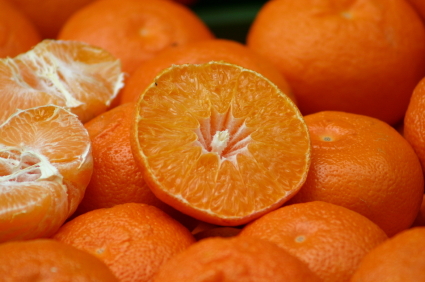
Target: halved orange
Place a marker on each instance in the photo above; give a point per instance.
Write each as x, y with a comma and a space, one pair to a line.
75, 75
45, 166
220, 142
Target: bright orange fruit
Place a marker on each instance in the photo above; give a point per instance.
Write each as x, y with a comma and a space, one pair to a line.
220, 142
50, 261
363, 164
399, 259
234, 259
17, 33
80, 77
331, 239
133, 239
134, 30
357, 56
45, 166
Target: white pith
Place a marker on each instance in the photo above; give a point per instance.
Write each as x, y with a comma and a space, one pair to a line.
224, 135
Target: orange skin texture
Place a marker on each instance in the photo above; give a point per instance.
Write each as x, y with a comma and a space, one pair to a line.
357, 56
49, 15
399, 259
49, 261
135, 31
367, 166
133, 239
17, 33
197, 53
234, 259
414, 121
331, 239
116, 178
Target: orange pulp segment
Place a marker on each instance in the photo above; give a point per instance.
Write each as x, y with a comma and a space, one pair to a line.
45, 165
75, 75
220, 142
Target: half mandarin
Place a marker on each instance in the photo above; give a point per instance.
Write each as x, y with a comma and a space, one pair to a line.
45, 166
220, 142
83, 78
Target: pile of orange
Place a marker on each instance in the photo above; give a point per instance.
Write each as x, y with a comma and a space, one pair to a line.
137, 145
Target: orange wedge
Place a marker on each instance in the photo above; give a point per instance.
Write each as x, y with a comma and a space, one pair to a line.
83, 78
220, 142
45, 166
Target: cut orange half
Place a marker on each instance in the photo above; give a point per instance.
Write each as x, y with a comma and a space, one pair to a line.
45, 166
220, 142
83, 78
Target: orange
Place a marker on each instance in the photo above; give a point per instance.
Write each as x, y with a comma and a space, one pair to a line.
116, 178
363, 164
197, 53
331, 239
50, 261
49, 15
134, 30
80, 77
17, 33
219, 142
399, 259
133, 239
360, 56
414, 125
45, 166
234, 259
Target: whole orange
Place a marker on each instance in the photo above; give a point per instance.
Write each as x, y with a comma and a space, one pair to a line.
331, 239
17, 33
360, 56
133, 239
116, 178
49, 15
363, 164
50, 261
133, 30
399, 259
234, 259
197, 53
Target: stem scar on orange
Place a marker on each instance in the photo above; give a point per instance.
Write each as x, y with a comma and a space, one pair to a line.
220, 142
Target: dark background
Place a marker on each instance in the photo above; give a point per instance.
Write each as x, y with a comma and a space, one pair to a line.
229, 19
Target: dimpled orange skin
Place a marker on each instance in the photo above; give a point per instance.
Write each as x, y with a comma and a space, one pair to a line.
399, 259
365, 165
331, 239
235, 259
133, 30
50, 261
201, 52
133, 239
357, 56
419, 6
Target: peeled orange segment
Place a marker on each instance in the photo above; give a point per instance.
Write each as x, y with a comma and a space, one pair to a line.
45, 166
83, 78
220, 142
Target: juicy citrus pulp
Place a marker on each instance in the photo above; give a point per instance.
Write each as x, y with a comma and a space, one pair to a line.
45, 165
220, 142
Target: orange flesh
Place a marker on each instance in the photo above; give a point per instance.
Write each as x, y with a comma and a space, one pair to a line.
221, 141
41, 150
